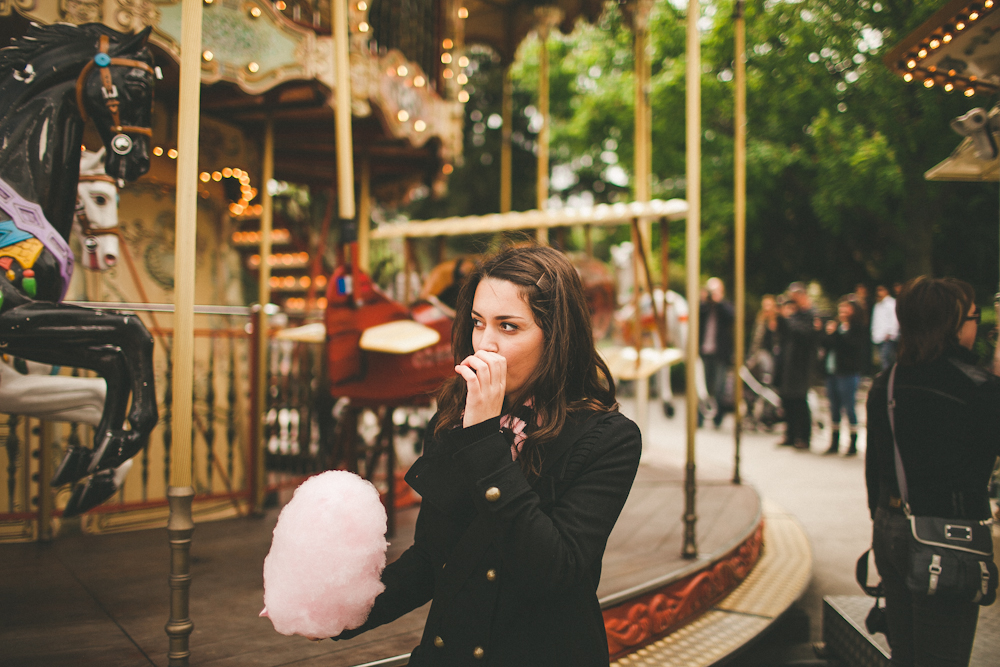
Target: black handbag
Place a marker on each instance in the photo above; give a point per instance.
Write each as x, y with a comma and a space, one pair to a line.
949, 558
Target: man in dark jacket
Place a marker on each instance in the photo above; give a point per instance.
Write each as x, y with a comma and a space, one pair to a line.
715, 338
799, 335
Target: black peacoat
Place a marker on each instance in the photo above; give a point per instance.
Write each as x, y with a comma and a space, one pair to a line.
512, 564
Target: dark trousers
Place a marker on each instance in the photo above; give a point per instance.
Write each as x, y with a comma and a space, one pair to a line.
798, 419
923, 632
716, 368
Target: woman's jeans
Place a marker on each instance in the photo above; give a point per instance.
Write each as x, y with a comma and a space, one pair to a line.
923, 632
841, 391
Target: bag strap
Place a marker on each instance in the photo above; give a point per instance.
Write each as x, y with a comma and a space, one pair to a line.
900, 472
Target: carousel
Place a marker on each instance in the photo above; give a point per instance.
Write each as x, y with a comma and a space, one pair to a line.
201, 124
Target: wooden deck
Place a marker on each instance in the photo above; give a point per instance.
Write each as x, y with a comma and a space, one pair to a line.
103, 600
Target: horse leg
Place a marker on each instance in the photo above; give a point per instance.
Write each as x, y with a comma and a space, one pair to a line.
61, 334
110, 364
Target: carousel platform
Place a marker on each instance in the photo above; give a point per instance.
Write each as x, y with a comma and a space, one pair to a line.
104, 600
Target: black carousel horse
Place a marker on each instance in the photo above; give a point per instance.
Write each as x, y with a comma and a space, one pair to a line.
51, 81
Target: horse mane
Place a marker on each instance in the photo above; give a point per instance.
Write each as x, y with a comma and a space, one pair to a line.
40, 38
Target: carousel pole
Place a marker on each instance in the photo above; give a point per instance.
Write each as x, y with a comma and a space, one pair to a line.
693, 246
546, 18
507, 114
261, 325
643, 116
365, 214
180, 525
740, 209
342, 113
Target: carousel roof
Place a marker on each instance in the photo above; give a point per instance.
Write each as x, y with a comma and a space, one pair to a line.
955, 49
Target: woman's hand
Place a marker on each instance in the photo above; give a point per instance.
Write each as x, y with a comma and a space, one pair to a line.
485, 375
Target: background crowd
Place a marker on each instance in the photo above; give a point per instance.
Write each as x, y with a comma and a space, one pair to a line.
794, 347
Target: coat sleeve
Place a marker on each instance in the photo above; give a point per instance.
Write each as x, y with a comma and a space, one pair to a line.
879, 441
409, 580
548, 553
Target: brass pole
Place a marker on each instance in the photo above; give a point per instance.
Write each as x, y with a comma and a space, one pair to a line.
740, 209
507, 114
693, 245
180, 493
264, 299
345, 147
643, 116
542, 182
365, 215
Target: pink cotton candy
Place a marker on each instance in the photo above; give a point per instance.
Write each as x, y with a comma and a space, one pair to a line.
325, 565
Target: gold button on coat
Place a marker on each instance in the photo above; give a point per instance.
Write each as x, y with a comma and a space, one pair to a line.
478, 653
439, 642
491, 575
492, 494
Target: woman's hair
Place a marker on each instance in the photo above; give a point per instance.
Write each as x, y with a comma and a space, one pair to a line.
930, 313
760, 311
570, 376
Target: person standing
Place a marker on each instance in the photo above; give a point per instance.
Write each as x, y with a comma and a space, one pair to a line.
845, 343
946, 417
798, 335
885, 327
715, 329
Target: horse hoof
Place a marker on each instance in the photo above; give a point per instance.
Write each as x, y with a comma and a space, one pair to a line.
88, 495
73, 466
115, 448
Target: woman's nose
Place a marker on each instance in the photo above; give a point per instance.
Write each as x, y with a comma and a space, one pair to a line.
488, 343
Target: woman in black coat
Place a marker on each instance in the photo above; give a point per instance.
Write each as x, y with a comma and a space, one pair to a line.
947, 417
524, 473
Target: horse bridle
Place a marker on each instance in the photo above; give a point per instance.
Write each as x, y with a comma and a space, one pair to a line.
121, 143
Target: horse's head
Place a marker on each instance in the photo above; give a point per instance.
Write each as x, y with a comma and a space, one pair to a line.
97, 213
115, 90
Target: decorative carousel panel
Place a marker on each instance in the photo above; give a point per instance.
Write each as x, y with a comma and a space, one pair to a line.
245, 42
123, 15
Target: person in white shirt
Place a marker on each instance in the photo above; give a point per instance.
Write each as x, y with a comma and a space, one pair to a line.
885, 327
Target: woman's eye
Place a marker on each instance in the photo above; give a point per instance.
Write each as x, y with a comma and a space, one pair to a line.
507, 326
477, 324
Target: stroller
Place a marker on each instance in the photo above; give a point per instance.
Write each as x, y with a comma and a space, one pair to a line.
762, 401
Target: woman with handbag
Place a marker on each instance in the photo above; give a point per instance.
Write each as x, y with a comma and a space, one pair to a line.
941, 432
525, 469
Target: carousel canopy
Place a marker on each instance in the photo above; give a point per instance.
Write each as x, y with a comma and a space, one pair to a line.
955, 48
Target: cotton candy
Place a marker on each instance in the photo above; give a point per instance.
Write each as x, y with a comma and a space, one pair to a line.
324, 569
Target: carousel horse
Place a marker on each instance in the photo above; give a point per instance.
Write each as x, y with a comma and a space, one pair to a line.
51, 81
37, 390
96, 220
674, 308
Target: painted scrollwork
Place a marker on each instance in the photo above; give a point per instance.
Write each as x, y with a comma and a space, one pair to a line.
7, 6
640, 621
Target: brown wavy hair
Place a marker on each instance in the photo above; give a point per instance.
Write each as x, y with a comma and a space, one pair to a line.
930, 312
570, 377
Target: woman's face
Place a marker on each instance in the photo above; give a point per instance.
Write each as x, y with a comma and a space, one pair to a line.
768, 307
968, 330
502, 322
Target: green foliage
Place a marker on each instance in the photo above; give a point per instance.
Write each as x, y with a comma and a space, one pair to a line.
837, 144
